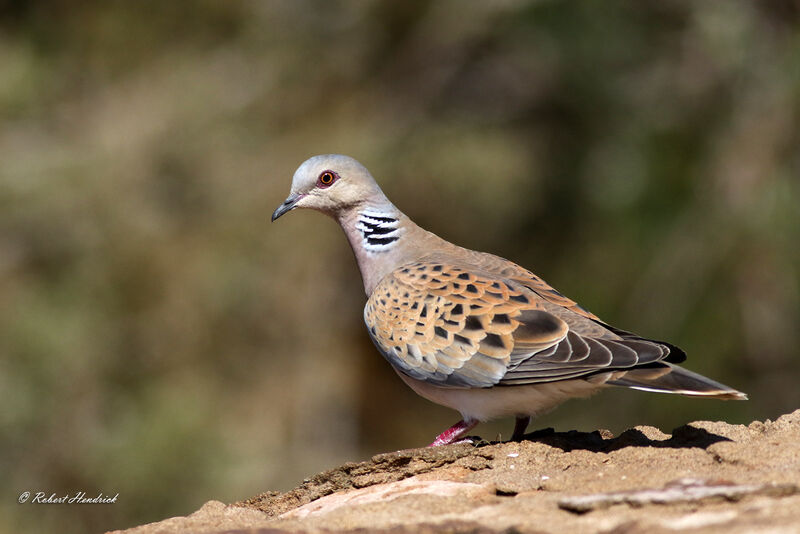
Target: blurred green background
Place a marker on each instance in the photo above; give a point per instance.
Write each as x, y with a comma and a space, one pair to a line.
160, 339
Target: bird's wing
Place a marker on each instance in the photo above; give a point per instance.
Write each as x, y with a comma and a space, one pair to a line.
451, 325
506, 269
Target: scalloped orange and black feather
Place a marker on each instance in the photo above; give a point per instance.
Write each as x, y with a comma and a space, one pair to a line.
462, 325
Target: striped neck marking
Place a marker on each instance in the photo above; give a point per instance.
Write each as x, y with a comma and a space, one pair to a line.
379, 230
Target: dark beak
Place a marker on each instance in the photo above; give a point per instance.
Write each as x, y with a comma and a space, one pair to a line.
288, 205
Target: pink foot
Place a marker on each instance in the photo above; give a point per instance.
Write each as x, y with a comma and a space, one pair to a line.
452, 434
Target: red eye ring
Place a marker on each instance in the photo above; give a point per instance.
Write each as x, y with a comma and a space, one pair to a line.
326, 178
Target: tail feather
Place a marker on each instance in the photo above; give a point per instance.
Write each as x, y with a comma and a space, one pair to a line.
665, 377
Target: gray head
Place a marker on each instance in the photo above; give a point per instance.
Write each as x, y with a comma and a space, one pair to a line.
332, 184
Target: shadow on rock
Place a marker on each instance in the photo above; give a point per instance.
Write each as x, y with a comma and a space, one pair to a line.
685, 436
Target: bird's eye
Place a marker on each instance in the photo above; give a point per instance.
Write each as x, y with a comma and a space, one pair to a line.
326, 178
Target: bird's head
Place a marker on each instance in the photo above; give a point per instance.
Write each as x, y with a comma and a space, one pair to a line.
332, 184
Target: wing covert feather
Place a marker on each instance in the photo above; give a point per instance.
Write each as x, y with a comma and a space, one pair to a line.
456, 326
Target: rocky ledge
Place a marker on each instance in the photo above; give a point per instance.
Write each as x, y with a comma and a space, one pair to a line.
705, 477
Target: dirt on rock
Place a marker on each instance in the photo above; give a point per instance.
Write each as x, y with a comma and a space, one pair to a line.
705, 477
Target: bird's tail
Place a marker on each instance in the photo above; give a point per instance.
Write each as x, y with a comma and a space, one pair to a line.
665, 377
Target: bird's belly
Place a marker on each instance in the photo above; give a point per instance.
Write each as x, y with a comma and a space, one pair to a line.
484, 404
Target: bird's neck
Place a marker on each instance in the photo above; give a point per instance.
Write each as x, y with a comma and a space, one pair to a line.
383, 238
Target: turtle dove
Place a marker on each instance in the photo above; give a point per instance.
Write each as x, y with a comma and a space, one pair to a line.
473, 331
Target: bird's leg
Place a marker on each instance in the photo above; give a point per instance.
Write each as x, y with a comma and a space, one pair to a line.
454, 432
520, 425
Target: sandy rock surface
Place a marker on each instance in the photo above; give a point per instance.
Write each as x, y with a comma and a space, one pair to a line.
705, 477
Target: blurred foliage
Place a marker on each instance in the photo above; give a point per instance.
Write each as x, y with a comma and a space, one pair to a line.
159, 339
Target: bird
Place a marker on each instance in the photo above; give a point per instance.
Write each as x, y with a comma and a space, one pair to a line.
472, 331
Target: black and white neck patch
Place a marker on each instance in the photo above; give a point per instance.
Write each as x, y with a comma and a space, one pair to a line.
379, 230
